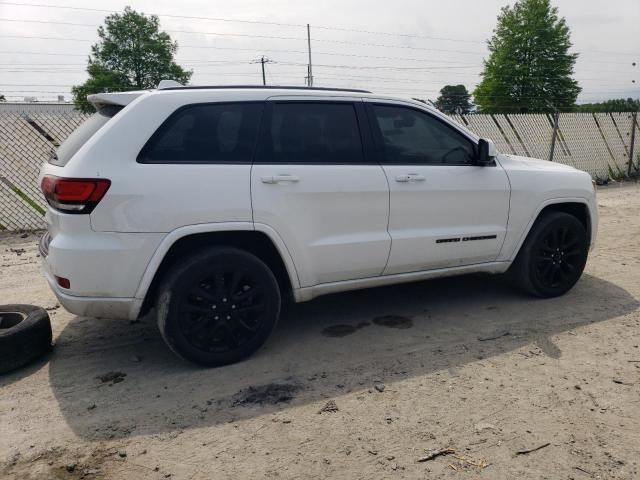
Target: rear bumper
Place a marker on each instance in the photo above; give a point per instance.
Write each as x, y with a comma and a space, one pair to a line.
99, 307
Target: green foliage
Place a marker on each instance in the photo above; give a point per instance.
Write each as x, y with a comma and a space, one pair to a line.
529, 68
613, 105
453, 98
2, 98
132, 54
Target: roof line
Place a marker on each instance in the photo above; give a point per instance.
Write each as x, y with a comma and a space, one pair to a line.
263, 87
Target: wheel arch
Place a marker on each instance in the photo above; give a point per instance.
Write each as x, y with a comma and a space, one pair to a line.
577, 207
264, 243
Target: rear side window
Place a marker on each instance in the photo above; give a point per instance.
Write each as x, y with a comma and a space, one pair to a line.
207, 133
312, 133
82, 134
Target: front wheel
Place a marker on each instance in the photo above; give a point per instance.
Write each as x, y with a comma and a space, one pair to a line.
553, 256
218, 307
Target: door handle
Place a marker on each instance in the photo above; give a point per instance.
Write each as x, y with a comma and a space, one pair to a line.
410, 177
280, 178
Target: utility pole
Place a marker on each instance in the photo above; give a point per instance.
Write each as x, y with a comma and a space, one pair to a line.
309, 68
262, 60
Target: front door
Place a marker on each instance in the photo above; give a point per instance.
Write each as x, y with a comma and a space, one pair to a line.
313, 183
444, 211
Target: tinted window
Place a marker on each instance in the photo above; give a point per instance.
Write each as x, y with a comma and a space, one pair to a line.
312, 133
413, 137
221, 133
82, 134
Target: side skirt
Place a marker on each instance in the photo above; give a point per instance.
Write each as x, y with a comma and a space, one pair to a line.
308, 293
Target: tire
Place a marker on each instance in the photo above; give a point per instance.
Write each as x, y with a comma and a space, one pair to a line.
218, 306
553, 256
25, 335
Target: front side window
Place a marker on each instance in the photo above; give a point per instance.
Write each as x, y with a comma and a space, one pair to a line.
412, 137
208, 133
312, 133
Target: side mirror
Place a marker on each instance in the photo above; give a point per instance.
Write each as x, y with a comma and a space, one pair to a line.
486, 152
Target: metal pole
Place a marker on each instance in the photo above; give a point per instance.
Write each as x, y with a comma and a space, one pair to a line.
309, 47
634, 119
556, 116
264, 79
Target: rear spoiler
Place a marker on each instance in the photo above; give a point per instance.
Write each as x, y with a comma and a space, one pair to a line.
121, 99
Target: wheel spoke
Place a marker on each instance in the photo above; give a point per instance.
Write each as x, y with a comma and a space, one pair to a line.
250, 308
249, 295
232, 336
198, 308
237, 277
218, 278
246, 326
547, 270
205, 292
572, 253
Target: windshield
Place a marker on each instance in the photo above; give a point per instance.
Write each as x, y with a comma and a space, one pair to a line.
82, 134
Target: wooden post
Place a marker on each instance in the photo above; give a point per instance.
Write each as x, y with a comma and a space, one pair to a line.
556, 117
634, 120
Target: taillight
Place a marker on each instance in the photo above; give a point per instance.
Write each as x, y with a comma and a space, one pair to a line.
74, 195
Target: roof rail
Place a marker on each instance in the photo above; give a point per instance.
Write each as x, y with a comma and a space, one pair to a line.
265, 87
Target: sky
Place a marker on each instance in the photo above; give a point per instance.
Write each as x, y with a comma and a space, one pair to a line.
404, 47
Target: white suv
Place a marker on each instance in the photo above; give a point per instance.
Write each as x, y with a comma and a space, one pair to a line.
213, 204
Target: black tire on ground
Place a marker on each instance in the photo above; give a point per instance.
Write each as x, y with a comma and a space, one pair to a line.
553, 256
25, 335
218, 306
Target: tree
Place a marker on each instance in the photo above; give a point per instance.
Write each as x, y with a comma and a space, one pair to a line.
132, 54
453, 98
613, 105
529, 68
2, 98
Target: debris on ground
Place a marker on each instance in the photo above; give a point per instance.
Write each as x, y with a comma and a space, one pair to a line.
622, 382
112, 377
531, 450
482, 426
393, 321
494, 337
379, 387
436, 454
270, 394
329, 407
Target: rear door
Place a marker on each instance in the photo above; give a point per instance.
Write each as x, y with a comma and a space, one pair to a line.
444, 210
314, 182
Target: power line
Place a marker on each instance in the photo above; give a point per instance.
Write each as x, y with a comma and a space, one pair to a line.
321, 27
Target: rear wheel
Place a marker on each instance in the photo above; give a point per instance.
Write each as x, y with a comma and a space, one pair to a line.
553, 256
218, 307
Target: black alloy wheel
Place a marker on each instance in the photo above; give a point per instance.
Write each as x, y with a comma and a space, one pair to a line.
219, 306
553, 256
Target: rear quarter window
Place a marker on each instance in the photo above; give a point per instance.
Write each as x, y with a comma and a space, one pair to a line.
206, 133
82, 134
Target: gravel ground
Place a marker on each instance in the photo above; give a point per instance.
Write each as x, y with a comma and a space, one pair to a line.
465, 374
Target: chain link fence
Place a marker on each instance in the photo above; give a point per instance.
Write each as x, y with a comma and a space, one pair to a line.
602, 144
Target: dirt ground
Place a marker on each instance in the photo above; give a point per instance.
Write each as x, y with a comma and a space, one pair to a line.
358, 385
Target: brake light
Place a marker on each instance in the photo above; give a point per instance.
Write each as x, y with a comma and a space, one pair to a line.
74, 195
